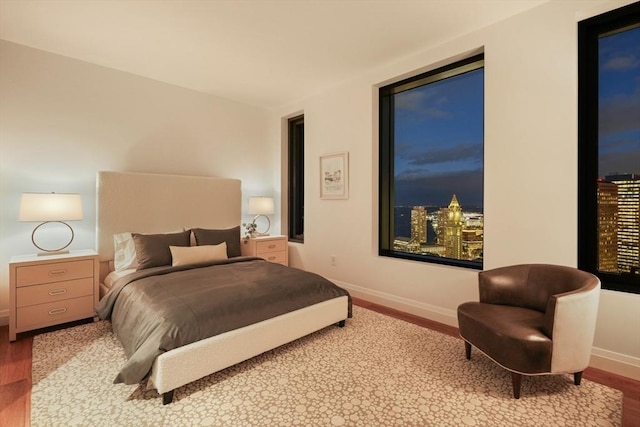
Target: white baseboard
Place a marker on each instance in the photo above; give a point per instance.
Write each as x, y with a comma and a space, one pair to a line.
432, 312
4, 317
606, 360
616, 363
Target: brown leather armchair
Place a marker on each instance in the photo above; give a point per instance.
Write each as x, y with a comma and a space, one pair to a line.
533, 319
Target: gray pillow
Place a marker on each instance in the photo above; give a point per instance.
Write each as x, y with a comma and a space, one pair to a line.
152, 250
215, 237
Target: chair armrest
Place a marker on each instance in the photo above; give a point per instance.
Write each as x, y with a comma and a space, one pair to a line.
570, 321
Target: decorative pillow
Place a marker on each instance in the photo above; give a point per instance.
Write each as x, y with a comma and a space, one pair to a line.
152, 250
125, 252
197, 254
215, 237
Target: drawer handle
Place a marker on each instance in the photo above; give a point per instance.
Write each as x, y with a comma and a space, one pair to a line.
57, 311
271, 258
272, 246
57, 292
57, 272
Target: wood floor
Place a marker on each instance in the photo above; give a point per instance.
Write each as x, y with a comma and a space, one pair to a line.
15, 373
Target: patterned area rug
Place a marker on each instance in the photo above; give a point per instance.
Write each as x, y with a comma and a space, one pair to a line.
376, 371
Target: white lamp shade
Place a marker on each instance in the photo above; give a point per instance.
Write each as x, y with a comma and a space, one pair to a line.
261, 206
50, 207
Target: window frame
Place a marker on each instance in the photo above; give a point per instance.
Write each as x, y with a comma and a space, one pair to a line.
589, 32
386, 158
295, 144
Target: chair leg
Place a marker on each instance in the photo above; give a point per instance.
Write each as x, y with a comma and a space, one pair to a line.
516, 379
577, 377
467, 350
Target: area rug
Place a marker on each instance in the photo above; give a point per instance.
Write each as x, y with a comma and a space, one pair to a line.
376, 371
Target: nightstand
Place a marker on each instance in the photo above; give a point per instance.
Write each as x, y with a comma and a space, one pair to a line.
272, 248
51, 289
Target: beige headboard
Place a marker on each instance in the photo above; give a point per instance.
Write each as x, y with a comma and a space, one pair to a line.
153, 203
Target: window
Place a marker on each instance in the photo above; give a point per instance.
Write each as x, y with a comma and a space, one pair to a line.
296, 179
432, 167
609, 148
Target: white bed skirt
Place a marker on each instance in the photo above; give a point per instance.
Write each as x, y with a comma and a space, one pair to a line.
185, 364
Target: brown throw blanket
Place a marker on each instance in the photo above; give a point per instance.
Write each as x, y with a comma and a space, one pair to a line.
156, 310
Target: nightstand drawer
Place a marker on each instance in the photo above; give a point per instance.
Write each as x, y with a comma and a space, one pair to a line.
53, 272
277, 257
51, 292
41, 315
270, 246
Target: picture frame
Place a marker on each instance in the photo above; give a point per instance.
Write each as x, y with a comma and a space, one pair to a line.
334, 176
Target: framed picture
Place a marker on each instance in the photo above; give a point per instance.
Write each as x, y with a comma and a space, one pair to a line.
334, 176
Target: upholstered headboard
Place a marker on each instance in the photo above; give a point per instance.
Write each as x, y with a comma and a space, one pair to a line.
153, 203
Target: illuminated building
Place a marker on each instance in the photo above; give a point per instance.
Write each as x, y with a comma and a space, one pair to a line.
419, 224
607, 227
472, 243
443, 214
406, 244
628, 186
453, 230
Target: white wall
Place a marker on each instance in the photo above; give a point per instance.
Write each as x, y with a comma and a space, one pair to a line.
530, 175
62, 120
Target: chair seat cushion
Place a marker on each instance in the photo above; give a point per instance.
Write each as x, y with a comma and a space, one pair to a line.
511, 336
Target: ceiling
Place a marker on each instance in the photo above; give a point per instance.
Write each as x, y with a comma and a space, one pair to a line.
263, 53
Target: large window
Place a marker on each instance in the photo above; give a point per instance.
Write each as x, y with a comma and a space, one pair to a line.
296, 179
431, 166
609, 148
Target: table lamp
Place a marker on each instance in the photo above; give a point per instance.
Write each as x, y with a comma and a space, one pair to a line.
50, 207
261, 206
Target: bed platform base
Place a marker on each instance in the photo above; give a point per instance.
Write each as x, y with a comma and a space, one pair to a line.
189, 363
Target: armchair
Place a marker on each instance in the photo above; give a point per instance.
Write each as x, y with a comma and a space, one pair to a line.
533, 319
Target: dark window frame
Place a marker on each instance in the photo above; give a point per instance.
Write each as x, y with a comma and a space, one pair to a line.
386, 158
589, 32
295, 137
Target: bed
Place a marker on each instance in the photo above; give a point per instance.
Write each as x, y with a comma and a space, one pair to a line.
167, 205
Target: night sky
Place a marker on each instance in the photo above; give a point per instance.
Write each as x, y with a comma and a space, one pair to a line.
439, 129
439, 142
619, 103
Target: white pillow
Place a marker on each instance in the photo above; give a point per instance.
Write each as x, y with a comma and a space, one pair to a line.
185, 255
125, 252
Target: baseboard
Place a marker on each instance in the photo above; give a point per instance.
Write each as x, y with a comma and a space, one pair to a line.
431, 312
616, 363
4, 317
605, 360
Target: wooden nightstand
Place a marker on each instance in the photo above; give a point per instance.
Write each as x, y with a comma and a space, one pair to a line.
53, 289
272, 248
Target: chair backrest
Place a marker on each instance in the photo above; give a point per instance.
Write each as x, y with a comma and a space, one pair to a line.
531, 285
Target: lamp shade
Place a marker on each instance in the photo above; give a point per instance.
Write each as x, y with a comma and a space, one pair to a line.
261, 206
50, 207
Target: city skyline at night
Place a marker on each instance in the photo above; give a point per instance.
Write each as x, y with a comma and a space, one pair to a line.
618, 191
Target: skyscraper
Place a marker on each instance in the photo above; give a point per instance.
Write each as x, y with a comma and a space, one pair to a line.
419, 224
453, 230
443, 214
607, 227
628, 187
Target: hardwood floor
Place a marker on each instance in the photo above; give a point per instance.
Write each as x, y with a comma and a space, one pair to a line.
15, 372
15, 380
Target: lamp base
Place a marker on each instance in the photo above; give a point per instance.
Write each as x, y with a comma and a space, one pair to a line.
58, 251
52, 253
266, 231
